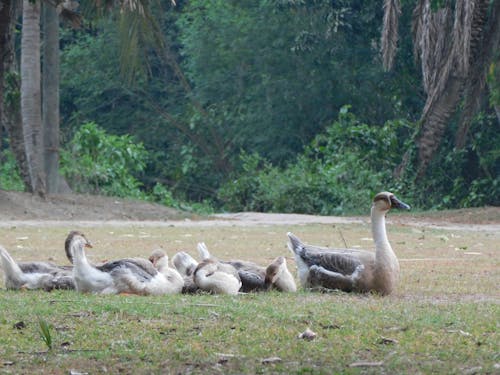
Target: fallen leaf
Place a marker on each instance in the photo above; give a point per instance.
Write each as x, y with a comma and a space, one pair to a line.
307, 335
366, 364
76, 372
387, 340
19, 325
269, 360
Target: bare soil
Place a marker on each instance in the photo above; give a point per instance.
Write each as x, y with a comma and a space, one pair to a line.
24, 207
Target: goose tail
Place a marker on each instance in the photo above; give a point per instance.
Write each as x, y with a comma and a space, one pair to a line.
11, 269
184, 263
295, 245
203, 251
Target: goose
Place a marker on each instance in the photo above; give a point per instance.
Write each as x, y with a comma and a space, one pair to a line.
186, 265
279, 277
256, 278
159, 259
352, 269
216, 277
127, 276
34, 275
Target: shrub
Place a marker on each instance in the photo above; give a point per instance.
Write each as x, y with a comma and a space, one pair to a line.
99, 163
338, 172
9, 173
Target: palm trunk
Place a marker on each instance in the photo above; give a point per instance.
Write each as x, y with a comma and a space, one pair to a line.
10, 115
50, 96
31, 95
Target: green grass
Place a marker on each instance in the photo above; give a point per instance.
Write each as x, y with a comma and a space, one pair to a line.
442, 319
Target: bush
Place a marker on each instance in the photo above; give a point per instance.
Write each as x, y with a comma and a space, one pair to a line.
98, 163
339, 172
9, 173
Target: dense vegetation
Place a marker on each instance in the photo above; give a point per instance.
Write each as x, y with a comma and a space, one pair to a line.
270, 105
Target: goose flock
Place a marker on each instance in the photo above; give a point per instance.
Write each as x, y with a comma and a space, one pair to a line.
349, 270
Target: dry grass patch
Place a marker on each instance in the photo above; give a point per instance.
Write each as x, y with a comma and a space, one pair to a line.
443, 317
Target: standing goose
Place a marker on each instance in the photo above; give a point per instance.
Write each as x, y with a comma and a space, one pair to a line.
35, 275
256, 278
216, 277
352, 269
129, 275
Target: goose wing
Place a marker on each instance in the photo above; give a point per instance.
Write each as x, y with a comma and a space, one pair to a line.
341, 261
142, 269
44, 267
344, 261
250, 280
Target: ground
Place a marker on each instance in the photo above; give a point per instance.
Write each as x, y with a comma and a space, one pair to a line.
16, 206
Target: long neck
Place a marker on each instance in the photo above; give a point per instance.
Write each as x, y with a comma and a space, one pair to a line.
79, 257
383, 249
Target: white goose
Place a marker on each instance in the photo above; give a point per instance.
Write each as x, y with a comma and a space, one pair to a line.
352, 269
35, 275
256, 278
129, 275
159, 259
216, 277
186, 265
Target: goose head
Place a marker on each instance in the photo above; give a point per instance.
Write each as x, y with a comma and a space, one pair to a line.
274, 270
159, 258
75, 237
384, 201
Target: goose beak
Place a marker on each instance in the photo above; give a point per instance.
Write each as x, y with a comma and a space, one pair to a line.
396, 203
89, 245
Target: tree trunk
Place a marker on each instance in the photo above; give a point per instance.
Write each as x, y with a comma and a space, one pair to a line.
31, 95
10, 115
50, 96
6, 20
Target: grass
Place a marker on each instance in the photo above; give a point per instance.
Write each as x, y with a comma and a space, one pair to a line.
442, 319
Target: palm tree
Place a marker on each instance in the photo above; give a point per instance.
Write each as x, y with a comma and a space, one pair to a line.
50, 97
31, 96
455, 44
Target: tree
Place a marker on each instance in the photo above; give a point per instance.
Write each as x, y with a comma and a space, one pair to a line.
31, 111
50, 95
455, 42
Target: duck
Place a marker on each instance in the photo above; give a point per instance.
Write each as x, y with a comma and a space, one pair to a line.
352, 270
255, 278
34, 275
185, 264
122, 276
159, 259
215, 277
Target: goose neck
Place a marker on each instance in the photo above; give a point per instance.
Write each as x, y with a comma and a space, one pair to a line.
383, 249
79, 257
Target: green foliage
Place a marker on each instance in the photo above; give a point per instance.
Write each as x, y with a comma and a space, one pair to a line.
96, 162
45, 332
242, 88
468, 177
9, 172
339, 172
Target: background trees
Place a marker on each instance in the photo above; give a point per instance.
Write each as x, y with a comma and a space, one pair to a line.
229, 96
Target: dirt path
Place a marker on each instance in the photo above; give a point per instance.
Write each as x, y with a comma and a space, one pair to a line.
252, 219
22, 209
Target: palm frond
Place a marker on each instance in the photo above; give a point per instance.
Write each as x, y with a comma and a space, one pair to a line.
390, 33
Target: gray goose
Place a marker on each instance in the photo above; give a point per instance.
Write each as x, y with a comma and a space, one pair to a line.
127, 276
352, 270
35, 275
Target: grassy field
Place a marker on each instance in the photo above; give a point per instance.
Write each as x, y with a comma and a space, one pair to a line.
444, 317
